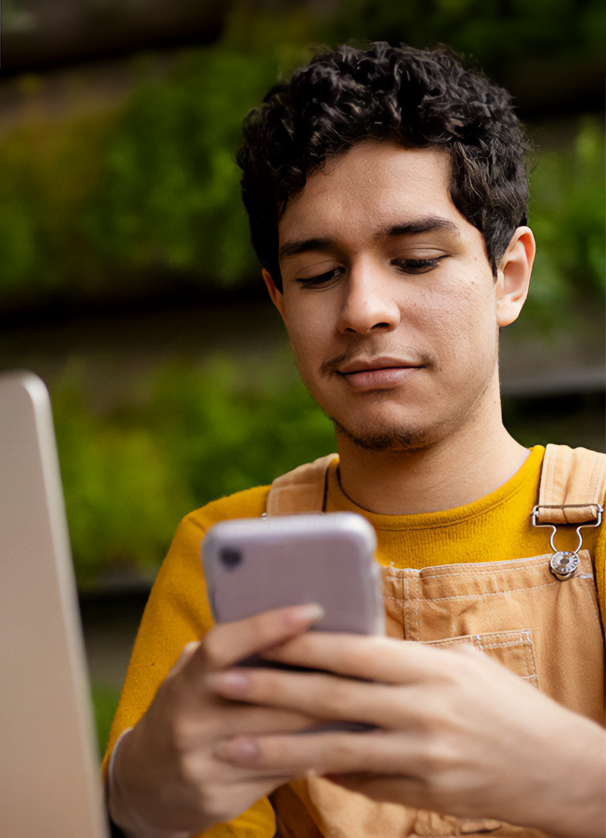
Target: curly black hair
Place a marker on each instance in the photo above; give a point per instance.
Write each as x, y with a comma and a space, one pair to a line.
414, 97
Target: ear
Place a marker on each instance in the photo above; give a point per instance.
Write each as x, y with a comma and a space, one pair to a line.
513, 276
276, 296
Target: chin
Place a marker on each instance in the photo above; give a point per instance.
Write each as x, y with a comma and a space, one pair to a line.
386, 439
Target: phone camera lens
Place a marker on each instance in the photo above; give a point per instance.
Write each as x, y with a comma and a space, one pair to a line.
231, 558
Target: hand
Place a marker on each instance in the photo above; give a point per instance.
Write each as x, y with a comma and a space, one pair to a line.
166, 779
459, 733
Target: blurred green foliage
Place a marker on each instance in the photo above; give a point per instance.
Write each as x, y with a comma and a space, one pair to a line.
148, 193
146, 197
497, 33
130, 475
105, 700
567, 214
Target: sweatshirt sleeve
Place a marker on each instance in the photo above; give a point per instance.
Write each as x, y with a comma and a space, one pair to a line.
177, 613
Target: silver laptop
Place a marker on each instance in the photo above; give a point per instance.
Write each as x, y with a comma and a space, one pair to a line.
49, 775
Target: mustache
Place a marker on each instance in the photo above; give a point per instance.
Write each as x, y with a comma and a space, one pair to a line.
406, 354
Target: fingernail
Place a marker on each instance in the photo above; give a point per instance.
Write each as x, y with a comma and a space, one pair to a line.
240, 749
304, 614
232, 683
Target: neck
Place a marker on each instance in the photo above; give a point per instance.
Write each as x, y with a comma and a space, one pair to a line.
450, 472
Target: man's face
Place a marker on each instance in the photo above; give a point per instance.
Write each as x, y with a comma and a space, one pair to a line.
388, 298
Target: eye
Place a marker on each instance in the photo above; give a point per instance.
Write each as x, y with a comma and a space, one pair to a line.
322, 279
417, 266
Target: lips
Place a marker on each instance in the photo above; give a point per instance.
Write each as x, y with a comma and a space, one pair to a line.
378, 373
356, 365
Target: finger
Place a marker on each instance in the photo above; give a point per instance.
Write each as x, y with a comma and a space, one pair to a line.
321, 753
325, 695
247, 719
228, 643
371, 658
232, 774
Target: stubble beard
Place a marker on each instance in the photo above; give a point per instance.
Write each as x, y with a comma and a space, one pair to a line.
392, 439
412, 436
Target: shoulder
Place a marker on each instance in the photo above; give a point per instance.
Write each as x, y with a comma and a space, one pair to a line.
178, 599
251, 503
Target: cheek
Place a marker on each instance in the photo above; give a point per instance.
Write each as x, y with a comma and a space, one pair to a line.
307, 340
463, 326
308, 324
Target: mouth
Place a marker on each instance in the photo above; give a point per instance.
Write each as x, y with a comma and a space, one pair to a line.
378, 373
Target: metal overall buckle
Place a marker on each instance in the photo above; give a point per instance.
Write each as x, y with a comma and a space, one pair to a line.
564, 564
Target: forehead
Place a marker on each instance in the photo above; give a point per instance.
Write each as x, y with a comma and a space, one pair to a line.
370, 187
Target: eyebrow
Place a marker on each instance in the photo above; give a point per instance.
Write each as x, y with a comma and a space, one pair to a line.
292, 248
421, 225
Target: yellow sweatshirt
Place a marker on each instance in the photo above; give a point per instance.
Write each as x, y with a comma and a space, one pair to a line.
495, 528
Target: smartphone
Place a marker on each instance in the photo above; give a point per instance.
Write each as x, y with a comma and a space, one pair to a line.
257, 564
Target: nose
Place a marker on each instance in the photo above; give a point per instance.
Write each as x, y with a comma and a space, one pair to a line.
369, 304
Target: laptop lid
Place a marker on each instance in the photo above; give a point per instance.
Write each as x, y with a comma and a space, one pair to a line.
49, 775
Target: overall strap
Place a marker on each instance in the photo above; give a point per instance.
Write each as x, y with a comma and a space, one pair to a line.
572, 486
302, 490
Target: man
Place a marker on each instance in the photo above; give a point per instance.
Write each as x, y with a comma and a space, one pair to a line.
387, 198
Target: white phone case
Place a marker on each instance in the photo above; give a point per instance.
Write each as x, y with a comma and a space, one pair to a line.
257, 564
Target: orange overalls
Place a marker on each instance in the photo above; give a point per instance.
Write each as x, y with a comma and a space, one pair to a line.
539, 617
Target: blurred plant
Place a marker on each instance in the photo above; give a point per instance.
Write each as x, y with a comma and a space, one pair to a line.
496, 33
149, 193
567, 215
121, 494
105, 700
146, 198
170, 198
130, 475
16, 17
